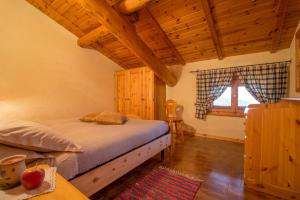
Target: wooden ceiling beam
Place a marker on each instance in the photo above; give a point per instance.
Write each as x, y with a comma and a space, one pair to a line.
298, 34
280, 13
163, 35
130, 6
92, 37
113, 2
211, 27
125, 32
108, 53
53, 14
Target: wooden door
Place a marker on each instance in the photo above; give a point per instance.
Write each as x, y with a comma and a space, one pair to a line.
147, 94
135, 91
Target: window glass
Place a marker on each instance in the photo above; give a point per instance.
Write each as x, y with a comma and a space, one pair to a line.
225, 99
245, 98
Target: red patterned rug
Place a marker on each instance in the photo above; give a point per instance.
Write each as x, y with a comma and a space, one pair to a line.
163, 184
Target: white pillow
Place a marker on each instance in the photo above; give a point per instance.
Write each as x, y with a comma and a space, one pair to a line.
6, 151
34, 136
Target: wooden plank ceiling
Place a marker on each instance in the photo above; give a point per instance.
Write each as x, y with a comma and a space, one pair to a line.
183, 31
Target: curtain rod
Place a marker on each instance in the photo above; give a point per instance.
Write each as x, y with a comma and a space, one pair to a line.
195, 71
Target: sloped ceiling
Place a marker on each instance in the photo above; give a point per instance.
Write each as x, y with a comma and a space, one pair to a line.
179, 31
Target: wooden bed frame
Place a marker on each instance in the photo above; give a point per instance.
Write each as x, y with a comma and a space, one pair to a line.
96, 179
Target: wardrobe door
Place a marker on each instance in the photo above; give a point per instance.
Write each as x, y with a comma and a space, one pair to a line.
159, 99
120, 92
147, 94
135, 91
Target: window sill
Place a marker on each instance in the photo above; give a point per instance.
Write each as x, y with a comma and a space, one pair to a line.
227, 114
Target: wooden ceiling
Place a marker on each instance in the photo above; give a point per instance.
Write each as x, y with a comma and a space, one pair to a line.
181, 31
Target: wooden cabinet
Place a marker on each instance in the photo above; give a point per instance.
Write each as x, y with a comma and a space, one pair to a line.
139, 92
272, 149
297, 61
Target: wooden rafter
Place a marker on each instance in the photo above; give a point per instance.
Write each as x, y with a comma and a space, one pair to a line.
99, 47
113, 2
281, 13
130, 6
163, 35
48, 10
247, 27
211, 27
92, 37
126, 34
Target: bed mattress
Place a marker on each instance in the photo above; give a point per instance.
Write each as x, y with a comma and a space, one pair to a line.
102, 143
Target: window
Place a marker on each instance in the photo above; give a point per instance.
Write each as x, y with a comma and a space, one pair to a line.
233, 101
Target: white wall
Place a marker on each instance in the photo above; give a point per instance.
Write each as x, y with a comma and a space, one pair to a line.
185, 93
43, 73
293, 92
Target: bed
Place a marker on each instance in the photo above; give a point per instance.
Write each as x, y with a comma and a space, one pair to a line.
110, 151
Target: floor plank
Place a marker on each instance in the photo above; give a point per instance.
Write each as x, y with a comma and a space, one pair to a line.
218, 163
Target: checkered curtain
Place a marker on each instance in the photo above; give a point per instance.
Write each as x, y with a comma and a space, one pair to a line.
267, 83
210, 85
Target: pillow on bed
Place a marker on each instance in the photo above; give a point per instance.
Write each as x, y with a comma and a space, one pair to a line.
111, 118
34, 136
6, 151
89, 117
133, 116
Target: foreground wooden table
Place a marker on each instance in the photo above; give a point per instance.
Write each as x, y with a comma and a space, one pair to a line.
63, 191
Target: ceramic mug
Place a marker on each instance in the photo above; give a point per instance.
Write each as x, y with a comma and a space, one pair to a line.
11, 169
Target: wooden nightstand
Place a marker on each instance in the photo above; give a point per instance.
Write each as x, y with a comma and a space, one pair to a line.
64, 191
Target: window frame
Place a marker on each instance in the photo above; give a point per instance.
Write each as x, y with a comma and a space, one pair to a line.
234, 110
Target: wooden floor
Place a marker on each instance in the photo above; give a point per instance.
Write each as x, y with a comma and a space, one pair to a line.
218, 163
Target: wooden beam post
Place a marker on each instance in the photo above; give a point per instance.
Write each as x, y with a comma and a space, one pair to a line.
298, 34
211, 27
161, 32
130, 6
276, 36
92, 37
126, 34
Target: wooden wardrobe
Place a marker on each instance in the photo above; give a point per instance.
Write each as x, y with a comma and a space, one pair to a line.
272, 148
138, 92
